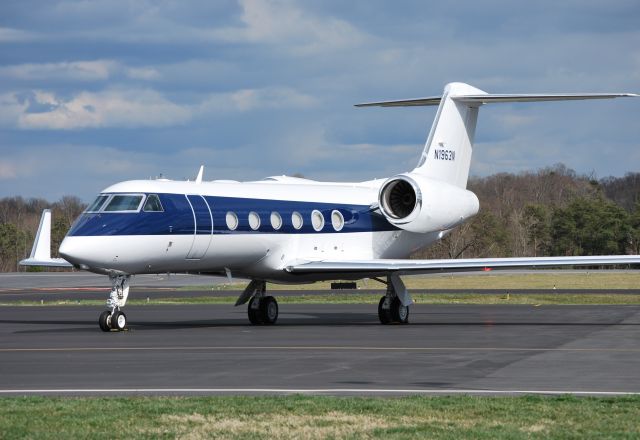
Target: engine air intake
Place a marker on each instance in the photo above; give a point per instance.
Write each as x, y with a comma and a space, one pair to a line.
398, 199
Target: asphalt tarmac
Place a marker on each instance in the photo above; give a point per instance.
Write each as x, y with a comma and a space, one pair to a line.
322, 349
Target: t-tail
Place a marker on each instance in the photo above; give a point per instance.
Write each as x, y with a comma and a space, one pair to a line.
447, 153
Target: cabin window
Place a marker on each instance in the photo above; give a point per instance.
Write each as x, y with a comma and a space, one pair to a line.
123, 202
97, 203
296, 220
153, 204
254, 220
276, 221
317, 220
232, 220
337, 220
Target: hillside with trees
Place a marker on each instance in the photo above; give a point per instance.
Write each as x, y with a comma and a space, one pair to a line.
551, 211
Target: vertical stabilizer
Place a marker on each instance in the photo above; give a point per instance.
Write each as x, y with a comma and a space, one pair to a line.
447, 152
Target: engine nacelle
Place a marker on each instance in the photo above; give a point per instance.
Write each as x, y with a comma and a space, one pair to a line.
419, 204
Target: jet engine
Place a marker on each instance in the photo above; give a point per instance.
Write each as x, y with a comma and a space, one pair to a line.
419, 204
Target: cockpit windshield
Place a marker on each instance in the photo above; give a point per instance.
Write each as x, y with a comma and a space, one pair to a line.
123, 202
97, 203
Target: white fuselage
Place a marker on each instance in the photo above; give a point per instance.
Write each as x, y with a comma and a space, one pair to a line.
192, 232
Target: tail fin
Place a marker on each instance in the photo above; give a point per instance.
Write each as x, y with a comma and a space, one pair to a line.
447, 152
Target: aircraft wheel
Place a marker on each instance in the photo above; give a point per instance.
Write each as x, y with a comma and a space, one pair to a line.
269, 310
104, 321
118, 320
399, 313
253, 310
384, 314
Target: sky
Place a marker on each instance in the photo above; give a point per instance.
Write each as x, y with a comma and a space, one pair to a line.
96, 92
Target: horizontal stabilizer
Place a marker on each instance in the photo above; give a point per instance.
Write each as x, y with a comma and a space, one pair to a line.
41, 250
402, 267
497, 98
416, 102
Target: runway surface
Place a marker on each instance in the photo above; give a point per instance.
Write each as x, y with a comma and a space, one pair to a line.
335, 349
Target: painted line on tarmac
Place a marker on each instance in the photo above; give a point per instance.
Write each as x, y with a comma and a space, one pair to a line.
319, 348
314, 391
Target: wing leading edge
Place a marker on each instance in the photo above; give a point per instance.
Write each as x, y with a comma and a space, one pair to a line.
407, 267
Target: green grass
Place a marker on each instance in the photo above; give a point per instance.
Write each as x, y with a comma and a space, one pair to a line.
346, 298
317, 417
370, 291
561, 279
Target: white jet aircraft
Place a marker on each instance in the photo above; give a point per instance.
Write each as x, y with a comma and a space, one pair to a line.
293, 230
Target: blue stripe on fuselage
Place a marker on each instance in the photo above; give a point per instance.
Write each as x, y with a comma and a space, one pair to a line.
178, 218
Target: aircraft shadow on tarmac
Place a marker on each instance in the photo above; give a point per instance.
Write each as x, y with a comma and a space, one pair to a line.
310, 320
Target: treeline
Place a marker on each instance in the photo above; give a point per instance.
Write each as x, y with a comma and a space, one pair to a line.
552, 211
19, 220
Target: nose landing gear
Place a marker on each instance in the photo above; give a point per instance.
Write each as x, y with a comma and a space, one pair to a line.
115, 319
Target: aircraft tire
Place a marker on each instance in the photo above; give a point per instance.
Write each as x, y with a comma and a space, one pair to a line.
384, 314
103, 321
254, 313
399, 313
118, 321
269, 310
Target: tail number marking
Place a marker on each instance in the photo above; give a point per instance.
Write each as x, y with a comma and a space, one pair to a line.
444, 154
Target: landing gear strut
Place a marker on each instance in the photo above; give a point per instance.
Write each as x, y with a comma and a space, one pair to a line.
262, 309
115, 319
393, 307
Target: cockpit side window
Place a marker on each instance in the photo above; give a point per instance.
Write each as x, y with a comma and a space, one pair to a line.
153, 204
97, 203
123, 202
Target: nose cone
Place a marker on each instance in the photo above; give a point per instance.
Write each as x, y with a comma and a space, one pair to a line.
71, 250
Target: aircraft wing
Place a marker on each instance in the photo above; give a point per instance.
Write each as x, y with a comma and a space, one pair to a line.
41, 250
408, 267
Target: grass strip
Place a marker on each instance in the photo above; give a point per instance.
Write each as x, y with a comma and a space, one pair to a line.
357, 298
561, 279
319, 417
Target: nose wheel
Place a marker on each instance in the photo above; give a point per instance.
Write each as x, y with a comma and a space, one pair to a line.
115, 319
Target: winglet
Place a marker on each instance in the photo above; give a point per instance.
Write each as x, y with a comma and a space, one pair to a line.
200, 173
41, 250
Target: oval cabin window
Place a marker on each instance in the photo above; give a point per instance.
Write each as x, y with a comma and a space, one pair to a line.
296, 220
317, 220
254, 220
276, 221
232, 220
337, 220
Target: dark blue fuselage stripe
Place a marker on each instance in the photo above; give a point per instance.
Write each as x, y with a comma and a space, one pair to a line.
178, 217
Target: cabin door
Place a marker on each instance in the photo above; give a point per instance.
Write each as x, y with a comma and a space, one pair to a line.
203, 228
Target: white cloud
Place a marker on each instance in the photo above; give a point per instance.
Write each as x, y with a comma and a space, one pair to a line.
7, 170
282, 22
109, 108
40, 109
255, 99
95, 70
10, 35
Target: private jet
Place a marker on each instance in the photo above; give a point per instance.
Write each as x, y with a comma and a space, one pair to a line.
294, 230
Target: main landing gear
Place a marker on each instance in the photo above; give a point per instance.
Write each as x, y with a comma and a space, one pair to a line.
262, 309
393, 307
115, 319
